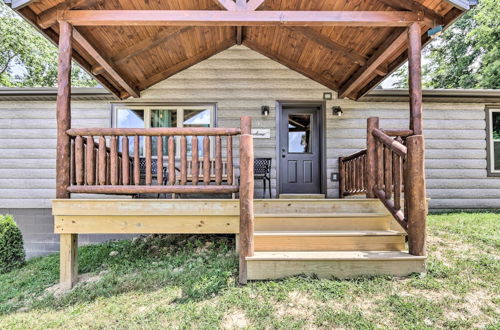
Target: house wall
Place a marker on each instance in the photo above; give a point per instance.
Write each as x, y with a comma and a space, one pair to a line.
240, 81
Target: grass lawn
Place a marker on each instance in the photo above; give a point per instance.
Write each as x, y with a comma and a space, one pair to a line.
190, 282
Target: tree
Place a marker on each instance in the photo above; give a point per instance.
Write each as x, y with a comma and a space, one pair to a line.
467, 55
27, 59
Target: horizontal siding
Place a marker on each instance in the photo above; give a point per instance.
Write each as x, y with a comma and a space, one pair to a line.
27, 148
241, 81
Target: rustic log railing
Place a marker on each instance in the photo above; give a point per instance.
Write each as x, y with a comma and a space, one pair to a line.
353, 168
391, 169
101, 169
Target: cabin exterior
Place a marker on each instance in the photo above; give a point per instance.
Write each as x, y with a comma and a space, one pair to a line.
218, 105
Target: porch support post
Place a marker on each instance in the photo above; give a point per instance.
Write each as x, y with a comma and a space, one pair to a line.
63, 111
415, 77
371, 156
246, 241
68, 242
415, 195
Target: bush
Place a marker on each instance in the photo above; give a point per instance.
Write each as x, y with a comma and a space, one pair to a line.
11, 245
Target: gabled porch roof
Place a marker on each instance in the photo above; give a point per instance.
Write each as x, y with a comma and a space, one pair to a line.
348, 46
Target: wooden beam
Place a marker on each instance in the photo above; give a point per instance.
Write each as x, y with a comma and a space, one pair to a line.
184, 64
385, 50
105, 63
431, 17
141, 47
235, 18
254, 4
226, 4
326, 42
63, 111
48, 17
291, 64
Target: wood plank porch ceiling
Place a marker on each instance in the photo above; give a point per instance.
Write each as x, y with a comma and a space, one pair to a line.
347, 59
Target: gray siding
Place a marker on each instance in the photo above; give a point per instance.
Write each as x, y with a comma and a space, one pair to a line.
240, 82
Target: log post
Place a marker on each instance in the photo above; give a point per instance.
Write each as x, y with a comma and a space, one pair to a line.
415, 77
371, 157
342, 174
64, 110
68, 270
415, 195
246, 196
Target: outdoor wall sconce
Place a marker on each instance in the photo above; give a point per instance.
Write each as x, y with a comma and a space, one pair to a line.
265, 110
337, 110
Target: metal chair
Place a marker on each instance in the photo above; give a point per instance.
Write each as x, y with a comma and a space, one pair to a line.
262, 170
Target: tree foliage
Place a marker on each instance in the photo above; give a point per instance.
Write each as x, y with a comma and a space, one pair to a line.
27, 59
467, 55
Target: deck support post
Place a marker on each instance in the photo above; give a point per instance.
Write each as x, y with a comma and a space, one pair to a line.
68, 242
246, 240
68, 261
371, 156
415, 195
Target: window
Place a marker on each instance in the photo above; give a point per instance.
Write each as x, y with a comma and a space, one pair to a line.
493, 128
137, 116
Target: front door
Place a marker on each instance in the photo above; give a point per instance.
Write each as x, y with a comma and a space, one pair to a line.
300, 150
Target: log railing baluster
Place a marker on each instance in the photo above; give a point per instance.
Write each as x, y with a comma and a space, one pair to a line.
184, 169
114, 160
137, 161
125, 162
171, 160
206, 160
90, 161
218, 160
102, 160
396, 169
159, 161
379, 165
230, 169
149, 161
79, 161
73, 163
388, 173
195, 166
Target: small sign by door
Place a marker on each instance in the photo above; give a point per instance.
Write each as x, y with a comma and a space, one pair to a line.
261, 133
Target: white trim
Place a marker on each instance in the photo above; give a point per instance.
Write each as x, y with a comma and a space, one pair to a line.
491, 140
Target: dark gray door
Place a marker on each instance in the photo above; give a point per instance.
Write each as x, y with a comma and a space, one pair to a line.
300, 147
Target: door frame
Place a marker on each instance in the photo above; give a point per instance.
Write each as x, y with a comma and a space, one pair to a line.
322, 139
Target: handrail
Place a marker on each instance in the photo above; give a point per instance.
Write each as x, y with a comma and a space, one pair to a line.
393, 144
156, 131
393, 166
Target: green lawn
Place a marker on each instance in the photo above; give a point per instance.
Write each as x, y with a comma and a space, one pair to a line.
189, 282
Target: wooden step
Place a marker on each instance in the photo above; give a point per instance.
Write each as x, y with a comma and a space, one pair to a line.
332, 264
308, 206
302, 196
322, 221
339, 240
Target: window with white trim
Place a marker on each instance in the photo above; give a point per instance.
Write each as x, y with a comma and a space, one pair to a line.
142, 116
493, 141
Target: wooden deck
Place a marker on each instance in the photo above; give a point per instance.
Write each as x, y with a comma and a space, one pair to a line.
328, 238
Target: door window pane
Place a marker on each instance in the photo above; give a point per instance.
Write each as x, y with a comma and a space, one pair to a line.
299, 133
495, 136
196, 118
130, 118
162, 118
